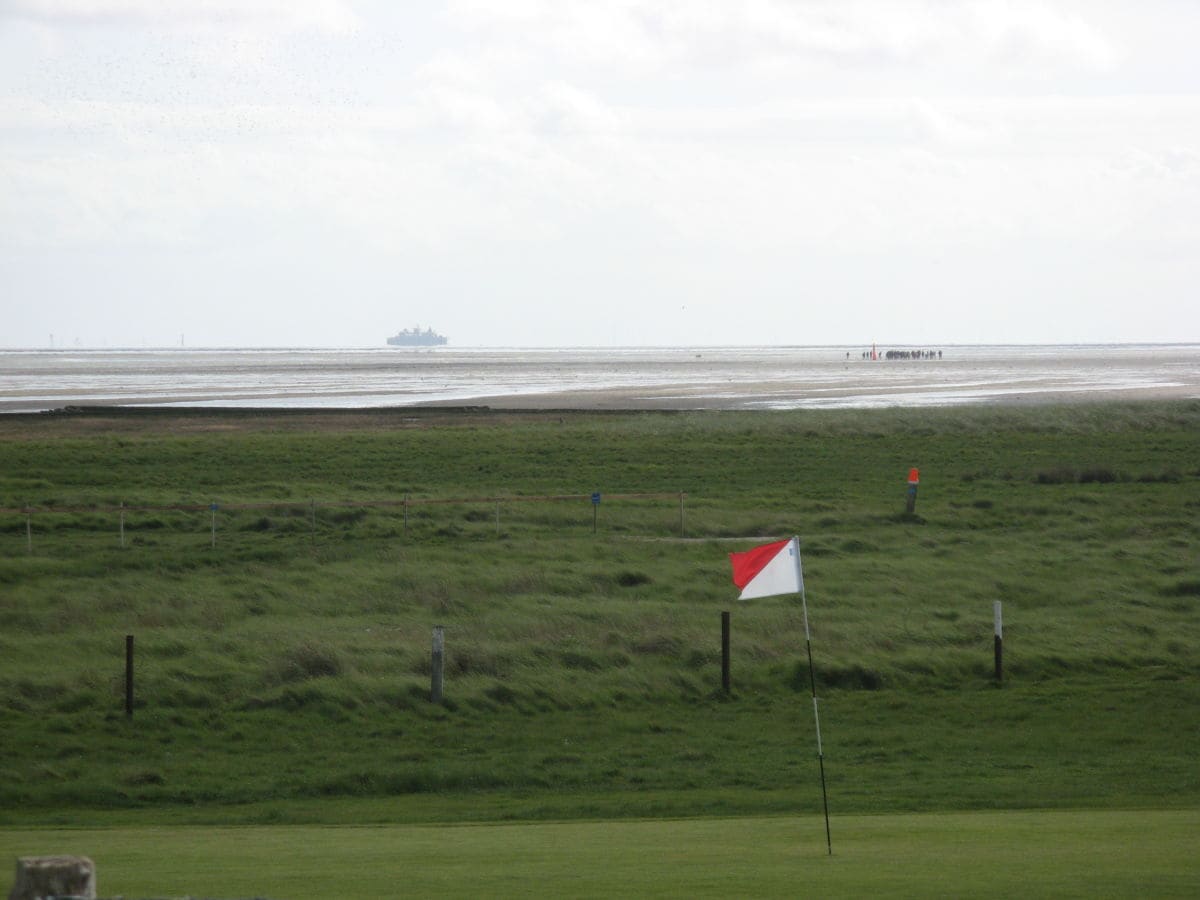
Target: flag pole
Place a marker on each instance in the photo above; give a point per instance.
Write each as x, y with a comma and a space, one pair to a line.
812, 681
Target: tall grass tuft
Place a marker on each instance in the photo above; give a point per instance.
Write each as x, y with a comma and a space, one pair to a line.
305, 661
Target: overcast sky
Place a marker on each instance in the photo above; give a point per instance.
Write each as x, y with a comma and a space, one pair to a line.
598, 172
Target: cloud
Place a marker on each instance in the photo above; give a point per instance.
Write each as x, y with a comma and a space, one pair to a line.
1175, 163
765, 34
1021, 33
935, 125
332, 16
561, 108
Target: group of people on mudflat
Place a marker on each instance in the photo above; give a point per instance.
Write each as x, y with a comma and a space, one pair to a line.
900, 354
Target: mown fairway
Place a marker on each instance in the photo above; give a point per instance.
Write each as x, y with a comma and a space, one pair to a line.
1047, 854
283, 674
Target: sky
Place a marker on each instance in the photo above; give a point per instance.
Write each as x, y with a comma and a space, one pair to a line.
598, 172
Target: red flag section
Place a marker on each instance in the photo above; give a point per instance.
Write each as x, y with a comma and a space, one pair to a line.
749, 563
768, 570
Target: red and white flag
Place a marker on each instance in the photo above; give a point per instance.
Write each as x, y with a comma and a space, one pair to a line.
768, 570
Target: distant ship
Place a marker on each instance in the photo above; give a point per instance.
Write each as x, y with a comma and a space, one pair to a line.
415, 337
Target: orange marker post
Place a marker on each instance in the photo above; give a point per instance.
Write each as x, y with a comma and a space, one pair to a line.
914, 479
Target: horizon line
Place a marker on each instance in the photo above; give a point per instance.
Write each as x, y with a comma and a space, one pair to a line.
175, 348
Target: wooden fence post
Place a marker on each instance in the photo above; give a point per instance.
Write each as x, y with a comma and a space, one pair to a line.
129, 676
725, 681
998, 642
439, 646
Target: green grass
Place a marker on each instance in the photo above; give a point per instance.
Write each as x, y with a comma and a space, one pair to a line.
1061, 854
283, 675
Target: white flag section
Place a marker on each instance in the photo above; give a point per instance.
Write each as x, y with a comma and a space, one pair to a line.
768, 570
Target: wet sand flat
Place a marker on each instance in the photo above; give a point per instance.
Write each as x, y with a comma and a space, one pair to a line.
636, 378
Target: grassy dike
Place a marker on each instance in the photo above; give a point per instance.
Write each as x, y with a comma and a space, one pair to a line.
283, 674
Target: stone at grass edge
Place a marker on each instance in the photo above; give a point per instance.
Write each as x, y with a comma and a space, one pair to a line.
54, 876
